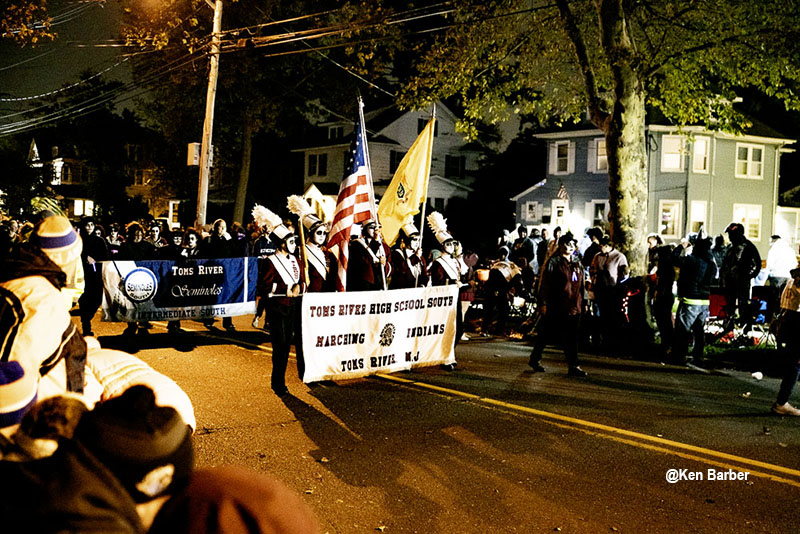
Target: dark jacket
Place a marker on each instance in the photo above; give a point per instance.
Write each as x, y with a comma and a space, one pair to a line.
741, 264
562, 286
698, 271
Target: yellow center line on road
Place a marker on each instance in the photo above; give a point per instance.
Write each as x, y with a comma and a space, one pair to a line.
616, 434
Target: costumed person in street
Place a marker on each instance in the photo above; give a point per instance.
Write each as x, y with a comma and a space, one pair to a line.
218, 245
789, 344
114, 239
280, 285
319, 259
523, 253
560, 302
94, 251
741, 264
781, 259
154, 236
697, 272
505, 281
409, 268
368, 267
317, 264
447, 269
259, 246
607, 269
136, 248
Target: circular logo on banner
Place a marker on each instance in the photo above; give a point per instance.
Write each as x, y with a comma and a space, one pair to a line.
387, 335
140, 284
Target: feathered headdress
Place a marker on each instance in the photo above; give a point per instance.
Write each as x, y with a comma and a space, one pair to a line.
299, 206
438, 225
271, 222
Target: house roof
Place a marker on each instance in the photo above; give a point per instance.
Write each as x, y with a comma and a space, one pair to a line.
529, 190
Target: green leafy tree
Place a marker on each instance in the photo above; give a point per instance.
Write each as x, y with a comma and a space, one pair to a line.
554, 61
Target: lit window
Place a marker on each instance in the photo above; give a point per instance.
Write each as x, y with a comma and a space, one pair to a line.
671, 153
749, 215
602, 159
697, 215
669, 218
749, 160
700, 154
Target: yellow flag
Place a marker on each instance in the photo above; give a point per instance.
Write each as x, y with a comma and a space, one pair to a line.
409, 187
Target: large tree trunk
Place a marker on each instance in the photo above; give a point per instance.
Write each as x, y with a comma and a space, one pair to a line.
244, 173
624, 130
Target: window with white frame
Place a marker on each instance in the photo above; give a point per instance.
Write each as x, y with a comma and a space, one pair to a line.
669, 218
83, 207
562, 157
671, 153
697, 215
317, 164
749, 160
530, 211
700, 151
749, 215
601, 159
599, 211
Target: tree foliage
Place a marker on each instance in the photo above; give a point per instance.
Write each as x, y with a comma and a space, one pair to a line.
552, 61
26, 22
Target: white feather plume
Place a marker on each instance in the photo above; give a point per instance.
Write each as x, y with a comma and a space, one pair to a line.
265, 218
299, 206
437, 223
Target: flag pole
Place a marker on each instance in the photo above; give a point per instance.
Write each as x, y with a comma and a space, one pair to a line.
372, 208
425, 197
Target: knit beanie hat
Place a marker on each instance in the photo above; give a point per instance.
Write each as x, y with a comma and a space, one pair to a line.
147, 447
56, 237
18, 391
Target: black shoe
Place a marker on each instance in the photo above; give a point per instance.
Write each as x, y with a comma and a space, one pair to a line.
448, 366
230, 328
281, 392
576, 371
130, 330
146, 324
537, 367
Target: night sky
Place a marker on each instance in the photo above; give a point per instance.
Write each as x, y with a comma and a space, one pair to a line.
50, 65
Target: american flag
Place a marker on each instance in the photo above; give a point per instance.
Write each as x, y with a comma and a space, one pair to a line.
356, 201
562, 193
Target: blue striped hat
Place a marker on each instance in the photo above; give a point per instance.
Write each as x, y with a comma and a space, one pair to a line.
18, 392
58, 239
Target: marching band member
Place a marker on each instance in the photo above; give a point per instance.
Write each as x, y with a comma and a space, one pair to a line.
447, 269
408, 264
281, 283
319, 261
367, 268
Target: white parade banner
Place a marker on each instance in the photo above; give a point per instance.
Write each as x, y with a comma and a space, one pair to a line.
353, 334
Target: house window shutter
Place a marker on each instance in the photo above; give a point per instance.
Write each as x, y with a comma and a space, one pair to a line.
571, 163
591, 158
553, 159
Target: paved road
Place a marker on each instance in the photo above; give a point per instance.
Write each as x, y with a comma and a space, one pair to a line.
492, 447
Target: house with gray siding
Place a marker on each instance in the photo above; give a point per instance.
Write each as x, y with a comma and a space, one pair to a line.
696, 178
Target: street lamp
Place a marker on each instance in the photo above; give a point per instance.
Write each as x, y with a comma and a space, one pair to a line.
208, 123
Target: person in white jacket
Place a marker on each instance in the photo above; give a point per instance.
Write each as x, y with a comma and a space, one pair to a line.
36, 329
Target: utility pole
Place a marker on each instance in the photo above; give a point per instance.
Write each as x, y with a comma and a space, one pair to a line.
208, 124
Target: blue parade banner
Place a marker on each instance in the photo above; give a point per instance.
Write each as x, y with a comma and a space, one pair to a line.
181, 289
